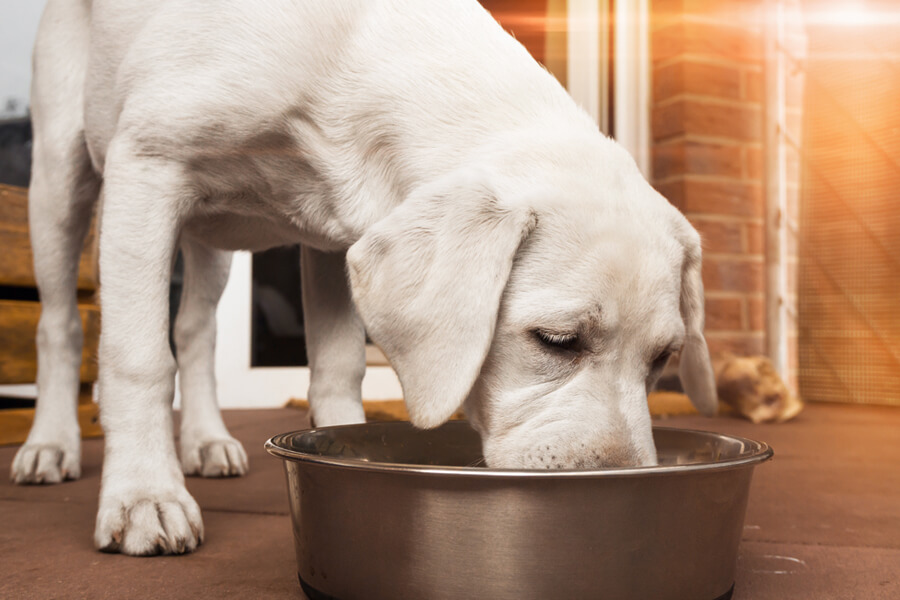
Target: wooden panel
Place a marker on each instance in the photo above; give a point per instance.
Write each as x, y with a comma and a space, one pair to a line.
16, 262
18, 354
15, 423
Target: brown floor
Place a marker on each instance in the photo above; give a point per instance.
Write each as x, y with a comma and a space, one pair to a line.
823, 520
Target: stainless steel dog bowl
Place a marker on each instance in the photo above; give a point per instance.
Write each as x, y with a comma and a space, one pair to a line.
385, 511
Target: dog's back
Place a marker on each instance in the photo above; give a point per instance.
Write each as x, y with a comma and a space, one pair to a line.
227, 70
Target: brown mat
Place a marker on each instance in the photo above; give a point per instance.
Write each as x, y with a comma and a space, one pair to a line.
823, 519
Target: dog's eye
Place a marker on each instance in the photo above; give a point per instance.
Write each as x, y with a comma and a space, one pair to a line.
559, 341
660, 361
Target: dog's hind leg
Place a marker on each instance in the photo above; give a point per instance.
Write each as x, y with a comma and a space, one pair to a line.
61, 196
144, 505
207, 448
335, 340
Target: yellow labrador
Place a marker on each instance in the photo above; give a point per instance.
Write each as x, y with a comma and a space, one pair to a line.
506, 256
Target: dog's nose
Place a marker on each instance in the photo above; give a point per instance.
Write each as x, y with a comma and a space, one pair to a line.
621, 456
611, 456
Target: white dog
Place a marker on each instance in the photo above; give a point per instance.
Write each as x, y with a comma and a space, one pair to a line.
505, 255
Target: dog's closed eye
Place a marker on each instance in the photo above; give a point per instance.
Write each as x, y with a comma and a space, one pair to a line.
660, 361
557, 341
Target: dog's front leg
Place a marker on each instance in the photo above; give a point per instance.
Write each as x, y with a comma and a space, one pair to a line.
144, 505
62, 192
335, 340
207, 448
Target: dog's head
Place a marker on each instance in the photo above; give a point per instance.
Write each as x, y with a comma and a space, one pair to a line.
546, 307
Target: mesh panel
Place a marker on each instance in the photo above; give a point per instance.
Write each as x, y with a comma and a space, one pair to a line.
849, 276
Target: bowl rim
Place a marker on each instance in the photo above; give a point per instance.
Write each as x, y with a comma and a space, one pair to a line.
760, 452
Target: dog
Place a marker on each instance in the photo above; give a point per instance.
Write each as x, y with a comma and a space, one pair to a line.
747, 386
450, 197
751, 388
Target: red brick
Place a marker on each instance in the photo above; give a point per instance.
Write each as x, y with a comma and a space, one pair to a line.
727, 275
754, 89
697, 78
665, 12
753, 163
722, 41
673, 191
756, 314
668, 81
712, 80
706, 158
723, 314
746, 344
696, 117
756, 238
728, 11
713, 40
722, 198
689, 157
719, 237
668, 121
668, 41
737, 122
668, 160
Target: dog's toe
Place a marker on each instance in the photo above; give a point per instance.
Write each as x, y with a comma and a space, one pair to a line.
216, 458
45, 464
149, 526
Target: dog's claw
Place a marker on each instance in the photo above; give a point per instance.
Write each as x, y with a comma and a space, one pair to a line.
45, 464
149, 526
216, 458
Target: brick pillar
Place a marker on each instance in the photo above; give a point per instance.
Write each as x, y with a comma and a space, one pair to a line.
707, 152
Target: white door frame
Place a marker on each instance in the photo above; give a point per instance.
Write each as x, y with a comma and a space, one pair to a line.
241, 386
588, 77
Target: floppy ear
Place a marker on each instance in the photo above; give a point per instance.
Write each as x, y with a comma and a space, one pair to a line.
695, 371
427, 282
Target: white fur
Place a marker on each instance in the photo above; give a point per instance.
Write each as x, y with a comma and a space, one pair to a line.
476, 205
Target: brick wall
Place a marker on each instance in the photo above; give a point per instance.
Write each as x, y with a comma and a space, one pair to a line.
707, 123
707, 116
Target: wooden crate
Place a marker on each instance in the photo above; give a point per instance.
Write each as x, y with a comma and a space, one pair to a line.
16, 422
18, 352
20, 311
16, 261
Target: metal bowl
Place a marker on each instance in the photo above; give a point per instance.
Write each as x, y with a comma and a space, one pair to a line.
386, 511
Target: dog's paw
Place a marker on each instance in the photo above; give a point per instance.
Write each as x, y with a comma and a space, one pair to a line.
214, 458
145, 523
46, 463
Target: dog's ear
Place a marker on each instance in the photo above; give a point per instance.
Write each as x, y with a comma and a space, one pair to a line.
695, 371
427, 282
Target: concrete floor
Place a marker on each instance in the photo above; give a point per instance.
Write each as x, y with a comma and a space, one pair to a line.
823, 519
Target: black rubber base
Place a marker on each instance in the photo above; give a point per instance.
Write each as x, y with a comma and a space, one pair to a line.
314, 594
727, 595
311, 592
